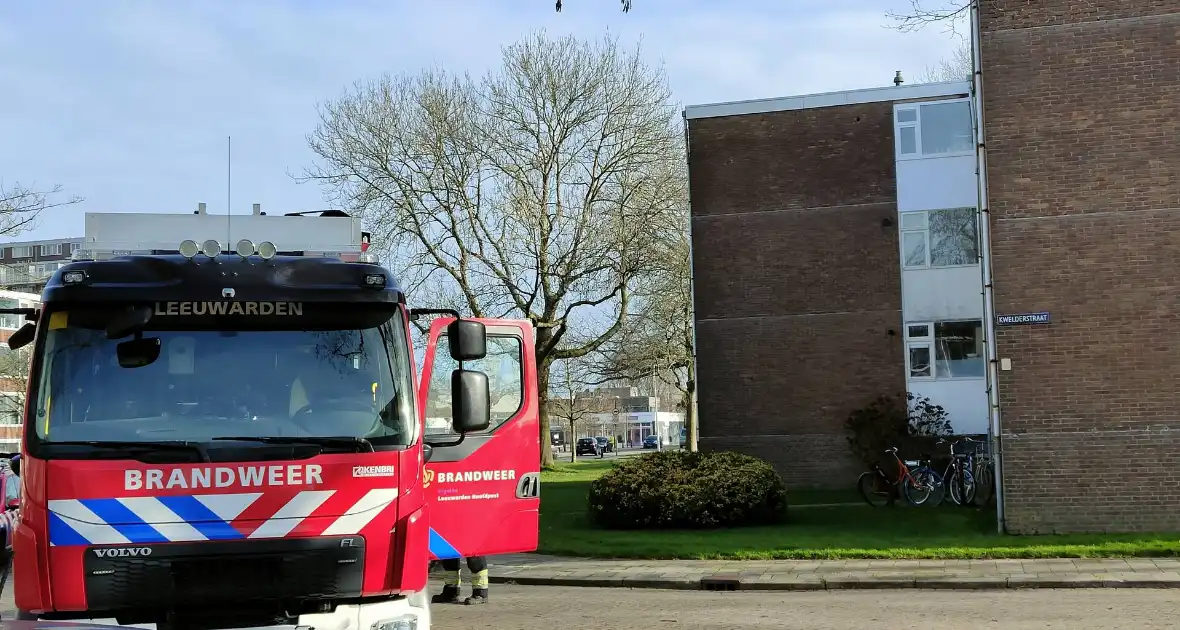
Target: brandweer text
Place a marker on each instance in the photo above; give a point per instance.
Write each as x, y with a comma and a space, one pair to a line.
227, 307
476, 475
223, 477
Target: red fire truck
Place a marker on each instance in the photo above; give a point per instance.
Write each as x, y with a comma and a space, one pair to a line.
231, 439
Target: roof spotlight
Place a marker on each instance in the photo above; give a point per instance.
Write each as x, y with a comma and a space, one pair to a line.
211, 248
267, 250
245, 248
189, 248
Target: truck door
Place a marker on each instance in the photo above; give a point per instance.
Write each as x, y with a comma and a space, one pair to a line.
483, 493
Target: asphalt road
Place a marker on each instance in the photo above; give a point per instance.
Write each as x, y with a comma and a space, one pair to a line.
545, 608
532, 607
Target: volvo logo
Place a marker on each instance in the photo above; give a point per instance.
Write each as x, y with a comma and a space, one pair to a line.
123, 552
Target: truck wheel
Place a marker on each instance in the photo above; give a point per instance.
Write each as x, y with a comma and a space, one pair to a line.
24, 615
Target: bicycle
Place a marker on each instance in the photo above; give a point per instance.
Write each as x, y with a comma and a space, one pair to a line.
959, 476
985, 478
917, 486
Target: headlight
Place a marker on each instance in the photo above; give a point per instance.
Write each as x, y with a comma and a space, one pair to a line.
404, 622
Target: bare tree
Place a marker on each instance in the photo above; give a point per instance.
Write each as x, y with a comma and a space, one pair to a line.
923, 13
536, 192
14, 378
958, 67
576, 407
20, 207
626, 5
657, 343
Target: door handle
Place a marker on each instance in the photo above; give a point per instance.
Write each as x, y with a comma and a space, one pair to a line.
529, 486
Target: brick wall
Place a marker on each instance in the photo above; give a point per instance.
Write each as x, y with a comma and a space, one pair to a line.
1082, 122
797, 282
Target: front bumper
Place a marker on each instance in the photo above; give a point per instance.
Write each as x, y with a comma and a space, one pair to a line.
403, 613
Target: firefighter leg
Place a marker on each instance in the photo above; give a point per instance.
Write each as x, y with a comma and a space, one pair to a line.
478, 565
451, 583
5, 567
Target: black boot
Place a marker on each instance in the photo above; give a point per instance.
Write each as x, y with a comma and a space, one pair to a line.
478, 596
449, 595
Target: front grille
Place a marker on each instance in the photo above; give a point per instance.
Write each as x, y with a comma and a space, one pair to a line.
175, 576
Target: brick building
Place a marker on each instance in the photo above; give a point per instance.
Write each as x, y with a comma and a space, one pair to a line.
839, 254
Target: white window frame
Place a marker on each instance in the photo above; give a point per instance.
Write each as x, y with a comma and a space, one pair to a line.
51, 249
924, 231
916, 107
898, 125
17, 251
927, 342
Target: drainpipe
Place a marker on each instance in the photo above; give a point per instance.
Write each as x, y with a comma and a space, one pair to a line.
985, 267
693, 433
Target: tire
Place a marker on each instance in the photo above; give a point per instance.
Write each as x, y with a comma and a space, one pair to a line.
24, 615
927, 491
875, 489
985, 484
953, 489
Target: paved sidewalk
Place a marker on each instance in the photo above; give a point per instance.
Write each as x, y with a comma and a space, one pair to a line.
793, 575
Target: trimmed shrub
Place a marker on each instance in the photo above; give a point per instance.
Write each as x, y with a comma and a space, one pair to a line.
684, 490
908, 422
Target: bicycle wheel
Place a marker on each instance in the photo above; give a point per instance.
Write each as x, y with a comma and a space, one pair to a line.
924, 487
985, 483
875, 489
967, 487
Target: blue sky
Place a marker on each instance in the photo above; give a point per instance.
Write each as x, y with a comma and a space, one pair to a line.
128, 103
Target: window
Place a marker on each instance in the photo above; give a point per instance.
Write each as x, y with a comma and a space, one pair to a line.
934, 129
939, 238
919, 351
954, 237
23, 251
945, 350
914, 236
502, 364
958, 349
51, 249
342, 376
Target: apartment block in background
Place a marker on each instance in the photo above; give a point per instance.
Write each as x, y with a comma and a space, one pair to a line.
835, 259
27, 265
809, 302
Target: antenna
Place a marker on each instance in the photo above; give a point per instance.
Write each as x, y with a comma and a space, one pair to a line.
229, 163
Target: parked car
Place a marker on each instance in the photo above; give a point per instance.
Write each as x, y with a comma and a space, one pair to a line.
587, 446
605, 444
651, 441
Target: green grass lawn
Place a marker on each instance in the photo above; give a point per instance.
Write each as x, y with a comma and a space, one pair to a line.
845, 531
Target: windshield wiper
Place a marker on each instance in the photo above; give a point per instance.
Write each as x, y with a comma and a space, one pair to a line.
361, 444
127, 445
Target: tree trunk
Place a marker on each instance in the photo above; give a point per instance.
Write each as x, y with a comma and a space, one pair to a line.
543, 365
690, 410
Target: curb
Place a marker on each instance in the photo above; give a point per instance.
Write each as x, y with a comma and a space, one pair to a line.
733, 583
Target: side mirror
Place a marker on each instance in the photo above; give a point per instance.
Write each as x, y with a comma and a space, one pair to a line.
468, 340
23, 336
470, 401
129, 321
138, 352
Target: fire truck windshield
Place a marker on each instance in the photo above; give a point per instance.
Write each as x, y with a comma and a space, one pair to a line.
206, 384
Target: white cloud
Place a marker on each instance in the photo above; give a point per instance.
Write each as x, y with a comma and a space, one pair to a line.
128, 102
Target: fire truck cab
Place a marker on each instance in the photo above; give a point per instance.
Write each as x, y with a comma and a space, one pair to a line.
224, 439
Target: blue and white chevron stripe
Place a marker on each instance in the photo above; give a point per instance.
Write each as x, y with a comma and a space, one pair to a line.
146, 520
